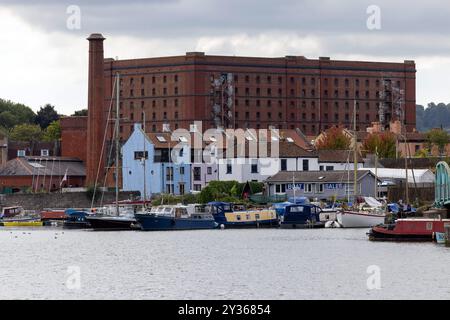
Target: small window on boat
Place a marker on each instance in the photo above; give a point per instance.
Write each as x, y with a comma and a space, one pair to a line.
247, 217
429, 225
238, 217
257, 216
297, 209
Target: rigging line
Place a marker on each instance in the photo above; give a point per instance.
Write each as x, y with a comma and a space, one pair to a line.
51, 177
45, 173
346, 169
103, 144
106, 173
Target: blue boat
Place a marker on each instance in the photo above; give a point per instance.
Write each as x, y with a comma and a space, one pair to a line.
176, 217
440, 237
76, 219
301, 216
229, 215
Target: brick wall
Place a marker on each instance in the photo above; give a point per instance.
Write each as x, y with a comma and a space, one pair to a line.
58, 200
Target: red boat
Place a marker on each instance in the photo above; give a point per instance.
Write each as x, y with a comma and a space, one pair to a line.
408, 230
53, 215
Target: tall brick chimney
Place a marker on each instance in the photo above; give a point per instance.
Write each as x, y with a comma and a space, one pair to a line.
96, 115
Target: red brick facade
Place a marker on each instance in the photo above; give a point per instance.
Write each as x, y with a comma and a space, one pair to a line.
290, 92
287, 93
74, 137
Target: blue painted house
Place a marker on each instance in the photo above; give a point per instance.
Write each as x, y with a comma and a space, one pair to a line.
164, 163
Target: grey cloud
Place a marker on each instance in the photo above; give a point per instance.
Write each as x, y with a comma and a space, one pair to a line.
209, 17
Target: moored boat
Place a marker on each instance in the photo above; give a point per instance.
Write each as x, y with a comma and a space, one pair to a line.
410, 229
76, 219
53, 217
367, 214
9, 212
17, 217
112, 223
27, 222
118, 217
176, 217
228, 215
440, 237
301, 216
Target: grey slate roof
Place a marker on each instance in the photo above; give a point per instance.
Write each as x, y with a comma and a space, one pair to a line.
55, 166
316, 176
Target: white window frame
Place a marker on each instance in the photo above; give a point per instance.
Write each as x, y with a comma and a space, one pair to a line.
308, 187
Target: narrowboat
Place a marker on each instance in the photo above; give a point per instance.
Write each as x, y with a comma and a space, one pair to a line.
229, 215
176, 217
410, 229
301, 216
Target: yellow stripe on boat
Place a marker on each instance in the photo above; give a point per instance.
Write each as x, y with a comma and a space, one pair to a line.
22, 223
250, 216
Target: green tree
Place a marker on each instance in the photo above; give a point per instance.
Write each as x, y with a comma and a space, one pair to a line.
12, 114
26, 132
52, 132
206, 195
383, 143
439, 138
8, 119
46, 115
433, 116
334, 139
80, 113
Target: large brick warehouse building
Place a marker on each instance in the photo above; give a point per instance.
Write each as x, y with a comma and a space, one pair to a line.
241, 92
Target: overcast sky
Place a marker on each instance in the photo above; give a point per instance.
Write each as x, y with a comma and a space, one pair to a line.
44, 61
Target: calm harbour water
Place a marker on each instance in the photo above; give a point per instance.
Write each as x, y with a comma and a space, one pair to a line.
217, 264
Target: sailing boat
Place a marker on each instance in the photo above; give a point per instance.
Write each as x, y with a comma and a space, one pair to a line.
365, 211
119, 216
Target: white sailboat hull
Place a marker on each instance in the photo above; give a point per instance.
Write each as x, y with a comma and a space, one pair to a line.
350, 219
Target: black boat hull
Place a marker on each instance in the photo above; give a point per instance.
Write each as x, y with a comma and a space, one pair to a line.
301, 226
76, 225
378, 236
112, 224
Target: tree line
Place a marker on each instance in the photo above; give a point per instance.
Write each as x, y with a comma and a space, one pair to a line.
19, 122
384, 144
434, 116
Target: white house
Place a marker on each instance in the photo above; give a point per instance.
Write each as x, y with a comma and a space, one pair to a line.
290, 157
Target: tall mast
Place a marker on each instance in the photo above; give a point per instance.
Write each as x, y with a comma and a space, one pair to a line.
355, 158
145, 160
376, 172
293, 184
117, 142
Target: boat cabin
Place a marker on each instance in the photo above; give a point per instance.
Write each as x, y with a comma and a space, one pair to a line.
8, 212
301, 215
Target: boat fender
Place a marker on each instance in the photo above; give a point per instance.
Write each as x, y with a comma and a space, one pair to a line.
172, 222
222, 227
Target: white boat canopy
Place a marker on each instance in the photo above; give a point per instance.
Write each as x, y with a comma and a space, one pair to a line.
420, 175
